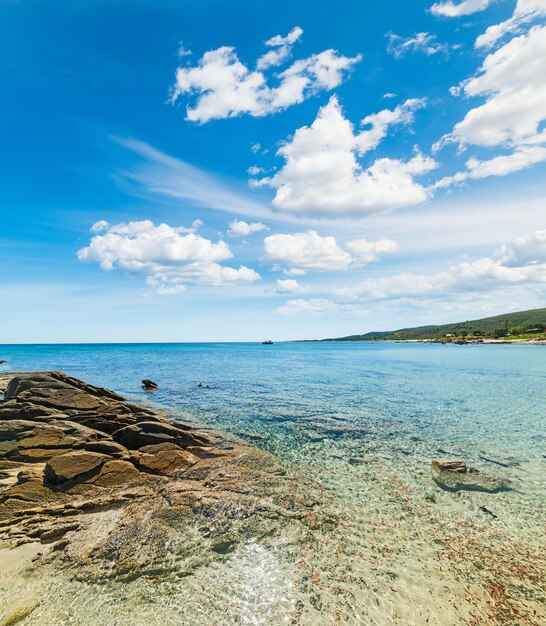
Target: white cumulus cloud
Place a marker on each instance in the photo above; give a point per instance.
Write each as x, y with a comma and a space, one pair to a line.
169, 256
306, 251
496, 166
223, 86
526, 11
457, 9
366, 250
302, 252
512, 82
100, 226
289, 285
240, 228
282, 47
314, 306
322, 175
520, 263
526, 250
511, 117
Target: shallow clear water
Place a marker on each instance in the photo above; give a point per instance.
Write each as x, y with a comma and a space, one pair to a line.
363, 422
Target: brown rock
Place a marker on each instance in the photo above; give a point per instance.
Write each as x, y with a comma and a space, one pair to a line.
13, 429
151, 433
77, 465
55, 380
36, 455
49, 439
103, 423
115, 473
61, 399
29, 473
159, 446
32, 491
107, 447
14, 409
166, 461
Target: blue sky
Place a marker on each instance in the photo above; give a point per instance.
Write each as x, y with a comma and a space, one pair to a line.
211, 170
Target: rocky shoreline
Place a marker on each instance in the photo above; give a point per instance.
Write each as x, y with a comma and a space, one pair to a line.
103, 489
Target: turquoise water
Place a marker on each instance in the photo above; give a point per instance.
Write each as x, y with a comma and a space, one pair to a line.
467, 397
364, 421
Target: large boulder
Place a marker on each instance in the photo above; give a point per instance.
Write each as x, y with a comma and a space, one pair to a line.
78, 465
150, 433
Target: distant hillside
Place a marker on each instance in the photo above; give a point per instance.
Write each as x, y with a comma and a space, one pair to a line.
486, 326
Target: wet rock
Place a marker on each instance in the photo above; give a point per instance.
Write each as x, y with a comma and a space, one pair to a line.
73, 465
455, 475
166, 462
148, 384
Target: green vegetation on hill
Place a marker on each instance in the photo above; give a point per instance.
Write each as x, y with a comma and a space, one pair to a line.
513, 324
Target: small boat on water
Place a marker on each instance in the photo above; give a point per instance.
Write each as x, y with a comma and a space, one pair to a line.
267, 342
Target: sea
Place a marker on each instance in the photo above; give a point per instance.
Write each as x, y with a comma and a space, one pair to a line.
361, 422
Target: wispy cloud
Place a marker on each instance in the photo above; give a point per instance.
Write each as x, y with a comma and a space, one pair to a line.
426, 43
166, 175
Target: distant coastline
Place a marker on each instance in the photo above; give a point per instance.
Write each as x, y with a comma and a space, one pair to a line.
516, 327
520, 342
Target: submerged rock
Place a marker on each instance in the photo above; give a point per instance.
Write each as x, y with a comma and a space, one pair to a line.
455, 475
451, 465
148, 384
